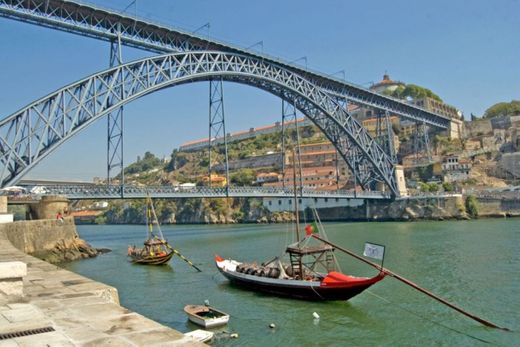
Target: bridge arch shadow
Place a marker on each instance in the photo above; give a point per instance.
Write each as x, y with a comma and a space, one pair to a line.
32, 133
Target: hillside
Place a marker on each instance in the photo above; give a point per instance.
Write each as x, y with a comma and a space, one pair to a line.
192, 167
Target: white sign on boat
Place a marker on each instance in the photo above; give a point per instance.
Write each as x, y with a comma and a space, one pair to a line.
373, 250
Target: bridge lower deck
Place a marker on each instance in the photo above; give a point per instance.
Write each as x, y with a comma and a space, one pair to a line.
83, 192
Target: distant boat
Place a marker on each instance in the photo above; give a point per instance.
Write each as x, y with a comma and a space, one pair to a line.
156, 250
206, 316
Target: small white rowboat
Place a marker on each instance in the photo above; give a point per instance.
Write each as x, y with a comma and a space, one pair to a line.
200, 335
206, 316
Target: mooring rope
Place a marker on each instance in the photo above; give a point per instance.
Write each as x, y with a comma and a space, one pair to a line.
429, 320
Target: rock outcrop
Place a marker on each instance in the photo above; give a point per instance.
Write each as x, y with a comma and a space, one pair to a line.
68, 251
52, 240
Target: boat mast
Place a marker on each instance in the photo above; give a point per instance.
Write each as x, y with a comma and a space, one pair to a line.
149, 217
156, 220
296, 212
297, 218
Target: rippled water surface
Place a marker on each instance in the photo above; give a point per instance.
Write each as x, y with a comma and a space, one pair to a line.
475, 264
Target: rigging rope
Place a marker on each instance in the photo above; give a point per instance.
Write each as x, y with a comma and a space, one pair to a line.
183, 257
427, 319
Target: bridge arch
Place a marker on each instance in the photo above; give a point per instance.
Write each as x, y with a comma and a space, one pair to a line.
30, 134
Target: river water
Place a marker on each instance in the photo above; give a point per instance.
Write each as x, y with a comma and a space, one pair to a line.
475, 264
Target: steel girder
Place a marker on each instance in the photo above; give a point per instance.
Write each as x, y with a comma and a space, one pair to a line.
95, 22
30, 134
115, 123
78, 192
114, 192
217, 124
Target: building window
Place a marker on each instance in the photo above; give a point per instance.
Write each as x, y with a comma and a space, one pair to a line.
270, 203
279, 202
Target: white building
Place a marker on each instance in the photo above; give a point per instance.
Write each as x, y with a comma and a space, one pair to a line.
286, 204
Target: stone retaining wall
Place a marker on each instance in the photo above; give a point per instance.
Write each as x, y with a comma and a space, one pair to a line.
495, 207
80, 311
40, 235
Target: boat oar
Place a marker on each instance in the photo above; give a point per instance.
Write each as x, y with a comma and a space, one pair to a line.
184, 258
413, 285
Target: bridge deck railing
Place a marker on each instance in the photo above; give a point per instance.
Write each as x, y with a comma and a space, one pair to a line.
118, 192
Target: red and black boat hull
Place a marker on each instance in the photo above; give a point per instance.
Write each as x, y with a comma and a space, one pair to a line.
306, 290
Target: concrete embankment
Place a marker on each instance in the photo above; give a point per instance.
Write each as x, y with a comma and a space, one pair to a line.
493, 207
427, 208
51, 240
423, 208
61, 308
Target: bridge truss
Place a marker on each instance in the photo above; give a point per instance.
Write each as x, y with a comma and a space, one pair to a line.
33, 132
108, 25
87, 192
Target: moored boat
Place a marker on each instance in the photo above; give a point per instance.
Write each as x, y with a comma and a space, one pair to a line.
307, 270
281, 279
200, 335
156, 250
206, 316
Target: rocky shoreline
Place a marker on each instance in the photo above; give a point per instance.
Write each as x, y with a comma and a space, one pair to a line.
434, 208
68, 251
51, 240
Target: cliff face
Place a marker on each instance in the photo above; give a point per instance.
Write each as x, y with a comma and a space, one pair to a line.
50, 239
190, 211
219, 211
430, 208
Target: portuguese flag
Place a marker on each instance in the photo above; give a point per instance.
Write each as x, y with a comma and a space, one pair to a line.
311, 229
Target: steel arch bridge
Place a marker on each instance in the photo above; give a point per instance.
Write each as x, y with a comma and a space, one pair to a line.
30, 134
109, 25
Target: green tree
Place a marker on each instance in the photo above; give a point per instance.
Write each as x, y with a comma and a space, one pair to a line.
101, 219
148, 162
433, 187
503, 109
424, 187
243, 177
448, 187
412, 91
177, 161
472, 206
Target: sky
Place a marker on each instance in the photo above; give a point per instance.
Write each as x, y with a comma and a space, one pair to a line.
467, 52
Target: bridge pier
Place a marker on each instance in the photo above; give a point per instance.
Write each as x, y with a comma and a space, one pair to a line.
49, 206
401, 182
455, 129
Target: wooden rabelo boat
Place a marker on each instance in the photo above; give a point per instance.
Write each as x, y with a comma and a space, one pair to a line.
308, 269
156, 250
300, 278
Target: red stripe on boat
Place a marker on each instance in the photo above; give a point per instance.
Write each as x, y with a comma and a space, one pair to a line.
337, 279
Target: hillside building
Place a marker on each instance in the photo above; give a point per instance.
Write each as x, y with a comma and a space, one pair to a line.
268, 177
242, 135
319, 178
386, 84
455, 169
438, 107
215, 180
